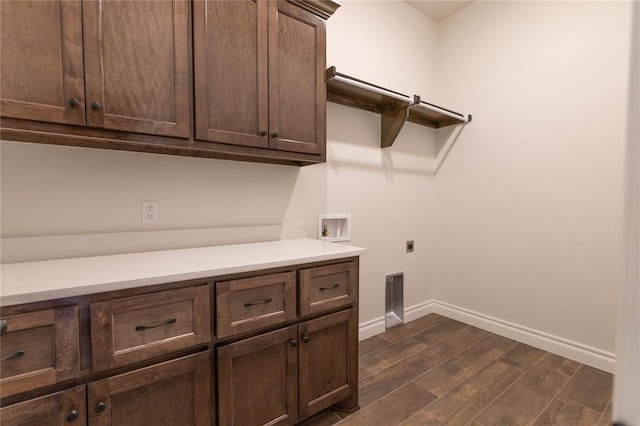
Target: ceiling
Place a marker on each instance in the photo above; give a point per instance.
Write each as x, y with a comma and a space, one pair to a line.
438, 10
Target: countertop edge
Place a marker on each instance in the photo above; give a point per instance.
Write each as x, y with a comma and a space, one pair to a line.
264, 255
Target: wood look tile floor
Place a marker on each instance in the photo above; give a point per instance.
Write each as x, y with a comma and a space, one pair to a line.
437, 371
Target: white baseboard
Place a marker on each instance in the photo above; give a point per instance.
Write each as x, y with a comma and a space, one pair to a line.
377, 326
584, 354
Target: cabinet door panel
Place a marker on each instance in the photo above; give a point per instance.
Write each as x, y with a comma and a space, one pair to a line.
61, 408
137, 66
297, 88
257, 380
175, 392
42, 61
328, 361
230, 57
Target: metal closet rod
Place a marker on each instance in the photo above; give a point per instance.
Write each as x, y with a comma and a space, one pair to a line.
372, 88
422, 104
414, 102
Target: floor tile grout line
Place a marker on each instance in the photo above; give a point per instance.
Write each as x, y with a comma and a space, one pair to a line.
427, 371
413, 354
453, 356
493, 380
605, 411
558, 393
507, 388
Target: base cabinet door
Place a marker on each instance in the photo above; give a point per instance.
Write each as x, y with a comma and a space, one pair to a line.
258, 380
61, 408
176, 392
328, 358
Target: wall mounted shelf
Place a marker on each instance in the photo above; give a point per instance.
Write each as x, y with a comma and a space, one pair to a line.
395, 108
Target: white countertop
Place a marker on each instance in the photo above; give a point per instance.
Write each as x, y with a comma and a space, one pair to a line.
54, 279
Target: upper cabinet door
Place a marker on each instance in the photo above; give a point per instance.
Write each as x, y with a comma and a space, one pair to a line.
137, 66
230, 68
42, 76
297, 88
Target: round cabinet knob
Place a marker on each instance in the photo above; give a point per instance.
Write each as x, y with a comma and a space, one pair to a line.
264, 133
100, 407
305, 338
74, 102
274, 135
293, 342
96, 106
72, 416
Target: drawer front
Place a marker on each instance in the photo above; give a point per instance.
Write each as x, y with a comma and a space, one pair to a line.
38, 349
252, 303
132, 329
66, 407
327, 287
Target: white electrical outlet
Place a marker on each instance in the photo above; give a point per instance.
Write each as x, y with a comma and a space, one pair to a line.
149, 212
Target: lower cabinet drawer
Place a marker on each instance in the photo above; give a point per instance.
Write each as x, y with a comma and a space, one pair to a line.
327, 287
38, 349
176, 392
67, 407
132, 329
252, 303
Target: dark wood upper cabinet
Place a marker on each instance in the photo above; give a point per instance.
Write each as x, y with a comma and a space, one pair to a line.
231, 79
230, 69
259, 75
135, 72
137, 66
42, 74
297, 91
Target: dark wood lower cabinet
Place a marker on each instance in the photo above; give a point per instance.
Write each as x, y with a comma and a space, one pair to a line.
328, 362
258, 380
120, 358
284, 376
61, 408
175, 392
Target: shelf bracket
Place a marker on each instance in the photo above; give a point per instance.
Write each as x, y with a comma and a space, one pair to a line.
392, 120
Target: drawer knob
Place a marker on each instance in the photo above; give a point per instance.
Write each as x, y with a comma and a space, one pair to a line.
293, 342
96, 106
167, 322
74, 102
16, 354
274, 135
264, 133
331, 287
258, 302
3, 327
305, 338
100, 407
72, 416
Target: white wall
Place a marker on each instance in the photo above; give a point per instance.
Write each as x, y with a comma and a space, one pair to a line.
529, 205
521, 221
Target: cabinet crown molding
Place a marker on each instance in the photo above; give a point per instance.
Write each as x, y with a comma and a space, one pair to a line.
322, 8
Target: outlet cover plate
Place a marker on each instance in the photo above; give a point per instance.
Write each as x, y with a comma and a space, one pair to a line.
149, 212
